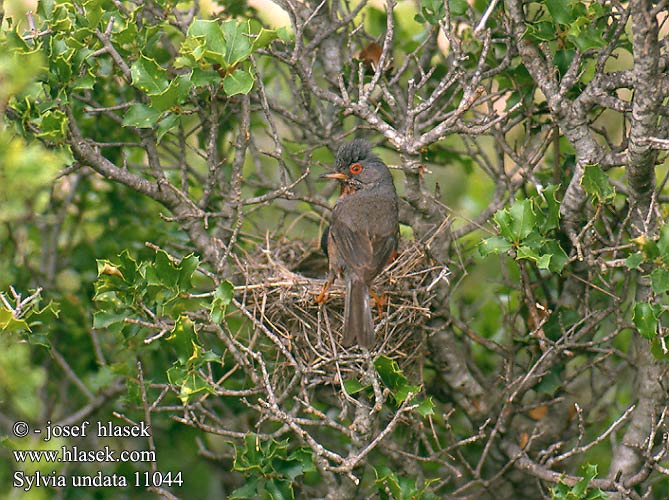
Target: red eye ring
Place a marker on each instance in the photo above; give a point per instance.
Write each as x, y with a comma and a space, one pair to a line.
355, 169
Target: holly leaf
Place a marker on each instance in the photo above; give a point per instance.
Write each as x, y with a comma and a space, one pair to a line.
148, 76
645, 319
596, 183
238, 82
141, 116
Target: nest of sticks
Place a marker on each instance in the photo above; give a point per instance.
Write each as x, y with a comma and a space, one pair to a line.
283, 278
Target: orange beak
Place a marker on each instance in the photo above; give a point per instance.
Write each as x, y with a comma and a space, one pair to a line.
335, 175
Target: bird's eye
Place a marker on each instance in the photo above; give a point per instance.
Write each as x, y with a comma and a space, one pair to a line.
355, 169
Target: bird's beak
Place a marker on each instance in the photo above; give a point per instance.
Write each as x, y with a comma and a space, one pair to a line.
335, 175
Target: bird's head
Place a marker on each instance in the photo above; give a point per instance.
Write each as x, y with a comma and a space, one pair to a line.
357, 167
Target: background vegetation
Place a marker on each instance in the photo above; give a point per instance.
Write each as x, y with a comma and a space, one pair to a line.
159, 227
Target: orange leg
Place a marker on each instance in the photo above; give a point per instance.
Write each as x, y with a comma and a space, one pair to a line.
323, 296
380, 301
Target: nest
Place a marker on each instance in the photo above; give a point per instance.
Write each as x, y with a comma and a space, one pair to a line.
280, 291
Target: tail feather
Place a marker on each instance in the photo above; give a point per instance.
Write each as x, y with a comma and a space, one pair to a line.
358, 324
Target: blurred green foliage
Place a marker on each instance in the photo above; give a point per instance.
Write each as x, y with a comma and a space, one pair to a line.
82, 238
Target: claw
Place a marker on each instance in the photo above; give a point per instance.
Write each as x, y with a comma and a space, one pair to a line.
379, 300
323, 296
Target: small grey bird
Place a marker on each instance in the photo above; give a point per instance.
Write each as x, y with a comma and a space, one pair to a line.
363, 234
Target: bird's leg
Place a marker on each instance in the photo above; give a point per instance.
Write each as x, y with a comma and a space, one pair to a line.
323, 296
379, 300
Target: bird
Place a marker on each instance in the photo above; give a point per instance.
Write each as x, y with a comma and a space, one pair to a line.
363, 234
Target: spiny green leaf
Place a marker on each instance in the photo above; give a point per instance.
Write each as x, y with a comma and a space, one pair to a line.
425, 407
184, 339
238, 82
390, 372
634, 260
141, 116
552, 211
148, 76
659, 279
517, 222
9, 324
264, 38
596, 183
494, 245
222, 298
53, 125
211, 32
559, 257
175, 94
526, 252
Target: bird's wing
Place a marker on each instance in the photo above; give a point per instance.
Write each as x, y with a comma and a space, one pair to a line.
354, 248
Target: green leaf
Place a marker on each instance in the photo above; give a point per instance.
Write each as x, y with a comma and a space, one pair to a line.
193, 385
238, 43
517, 222
279, 489
425, 407
634, 261
542, 31
53, 125
305, 457
264, 38
585, 35
249, 458
559, 257
353, 386
238, 82
284, 34
433, 10
210, 32
526, 252
596, 183
184, 339
494, 245
175, 94
659, 279
589, 472
93, 10
390, 372
166, 124
552, 211
141, 116
203, 77
562, 60
457, 7
148, 76
659, 348
663, 243
580, 490
222, 298
645, 319
560, 10
403, 392
649, 247
9, 324
248, 490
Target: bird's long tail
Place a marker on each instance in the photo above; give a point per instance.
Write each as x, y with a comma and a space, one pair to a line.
358, 324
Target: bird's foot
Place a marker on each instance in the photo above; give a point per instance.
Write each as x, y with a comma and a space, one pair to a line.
380, 301
323, 296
